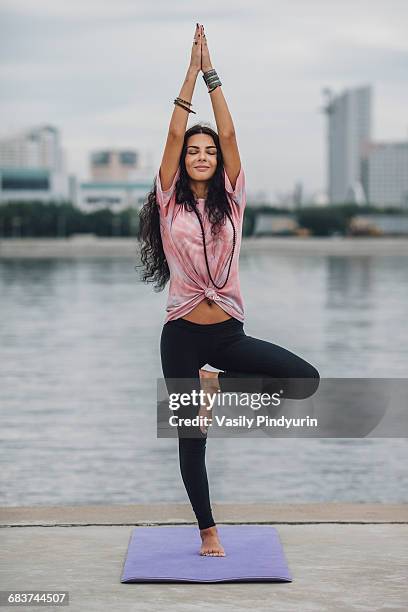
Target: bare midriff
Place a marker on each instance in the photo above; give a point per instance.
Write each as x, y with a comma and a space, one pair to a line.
207, 312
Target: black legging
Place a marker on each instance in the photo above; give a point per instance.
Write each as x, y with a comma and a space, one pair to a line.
185, 347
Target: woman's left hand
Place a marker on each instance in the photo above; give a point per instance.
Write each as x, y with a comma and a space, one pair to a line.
205, 54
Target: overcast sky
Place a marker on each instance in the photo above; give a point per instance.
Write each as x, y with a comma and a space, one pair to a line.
106, 74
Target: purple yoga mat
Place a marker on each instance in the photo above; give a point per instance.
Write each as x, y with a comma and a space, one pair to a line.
171, 554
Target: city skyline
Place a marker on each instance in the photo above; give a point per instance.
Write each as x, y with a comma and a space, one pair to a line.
71, 66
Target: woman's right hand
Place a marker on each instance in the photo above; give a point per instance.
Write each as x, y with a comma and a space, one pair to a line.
195, 61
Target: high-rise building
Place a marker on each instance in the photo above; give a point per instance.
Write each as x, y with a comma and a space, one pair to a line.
349, 128
32, 166
38, 147
385, 173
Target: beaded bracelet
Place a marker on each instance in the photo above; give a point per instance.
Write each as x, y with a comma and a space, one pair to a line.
211, 79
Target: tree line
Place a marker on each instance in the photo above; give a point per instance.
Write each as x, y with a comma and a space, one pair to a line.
61, 220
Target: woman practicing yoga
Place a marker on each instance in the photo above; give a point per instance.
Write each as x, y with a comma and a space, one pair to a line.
190, 229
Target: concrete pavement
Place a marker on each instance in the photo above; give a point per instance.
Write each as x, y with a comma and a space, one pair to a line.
342, 557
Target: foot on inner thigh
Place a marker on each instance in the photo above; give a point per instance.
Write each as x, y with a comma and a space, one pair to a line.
210, 384
211, 545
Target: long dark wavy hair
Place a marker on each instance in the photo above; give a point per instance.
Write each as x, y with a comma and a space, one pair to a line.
156, 269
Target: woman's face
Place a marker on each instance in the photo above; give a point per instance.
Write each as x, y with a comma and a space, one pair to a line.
201, 151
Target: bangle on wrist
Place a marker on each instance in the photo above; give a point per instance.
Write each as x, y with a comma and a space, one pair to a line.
184, 101
177, 101
211, 79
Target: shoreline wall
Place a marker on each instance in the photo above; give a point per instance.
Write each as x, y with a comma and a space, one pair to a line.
128, 248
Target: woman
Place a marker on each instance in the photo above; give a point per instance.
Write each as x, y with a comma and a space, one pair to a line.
191, 230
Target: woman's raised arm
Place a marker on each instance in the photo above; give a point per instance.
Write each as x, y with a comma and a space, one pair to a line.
223, 119
178, 123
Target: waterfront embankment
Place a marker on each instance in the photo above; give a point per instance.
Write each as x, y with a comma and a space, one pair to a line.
89, 246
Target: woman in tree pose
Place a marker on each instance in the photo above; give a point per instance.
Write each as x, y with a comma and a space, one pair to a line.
190, 230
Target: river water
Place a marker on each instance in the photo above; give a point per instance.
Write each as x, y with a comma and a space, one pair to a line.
79, 351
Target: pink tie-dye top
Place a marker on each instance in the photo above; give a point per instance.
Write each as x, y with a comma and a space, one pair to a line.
183, 246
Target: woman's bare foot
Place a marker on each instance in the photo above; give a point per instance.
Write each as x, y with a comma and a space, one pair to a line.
209, 384
211, 545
